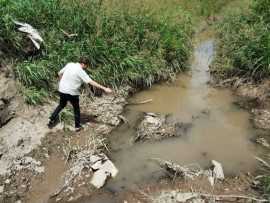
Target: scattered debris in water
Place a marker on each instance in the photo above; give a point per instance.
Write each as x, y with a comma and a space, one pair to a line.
263, 142
261, 118
194, 197
155, 127
193, 170
87, 167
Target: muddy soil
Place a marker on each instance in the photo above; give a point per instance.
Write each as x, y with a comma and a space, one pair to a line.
34, 159
203, 121
255, 97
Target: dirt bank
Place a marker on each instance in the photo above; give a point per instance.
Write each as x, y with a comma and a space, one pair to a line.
32, 156
254, 97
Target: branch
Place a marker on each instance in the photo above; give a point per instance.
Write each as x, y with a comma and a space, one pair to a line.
141, 102
234, 196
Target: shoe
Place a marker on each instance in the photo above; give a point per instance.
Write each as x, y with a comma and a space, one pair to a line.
77, 129
51, 124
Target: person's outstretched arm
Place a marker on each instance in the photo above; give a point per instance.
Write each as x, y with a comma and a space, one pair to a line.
95, 84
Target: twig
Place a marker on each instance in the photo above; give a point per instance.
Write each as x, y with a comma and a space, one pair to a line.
69, 35
233, 196
141, 102
262, 161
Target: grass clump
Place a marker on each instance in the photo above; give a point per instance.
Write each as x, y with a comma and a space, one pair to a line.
266, 185
125, 47
34, 96
244, 43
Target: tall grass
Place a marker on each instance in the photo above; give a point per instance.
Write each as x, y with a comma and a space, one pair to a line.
244, 45
123, 47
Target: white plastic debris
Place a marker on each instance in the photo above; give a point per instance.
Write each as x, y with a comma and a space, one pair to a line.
218, 170
32, 33
104, 170
183, 197
7, 181
215, 173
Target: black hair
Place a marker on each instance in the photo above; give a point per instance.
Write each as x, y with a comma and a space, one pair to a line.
84, 60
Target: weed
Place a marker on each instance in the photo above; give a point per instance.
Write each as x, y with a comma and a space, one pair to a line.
244, 45
134, 48
33, 96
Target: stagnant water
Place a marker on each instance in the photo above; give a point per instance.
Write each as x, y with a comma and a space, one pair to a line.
220, 130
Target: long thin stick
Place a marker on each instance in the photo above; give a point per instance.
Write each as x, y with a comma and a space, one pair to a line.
262, 161
233, 196
141, 102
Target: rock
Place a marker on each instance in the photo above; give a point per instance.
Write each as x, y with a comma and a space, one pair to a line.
106, 109
5, 112
28, 163
87, 163
215, 172
263, 142
99, 178
261, 118
7, 181
104, 170
157, 127
218, 170
174, 169
184, 197
20, 142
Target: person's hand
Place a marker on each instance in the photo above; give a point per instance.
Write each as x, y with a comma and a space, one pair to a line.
108, 90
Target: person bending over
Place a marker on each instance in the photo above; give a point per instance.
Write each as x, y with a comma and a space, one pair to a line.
71, 78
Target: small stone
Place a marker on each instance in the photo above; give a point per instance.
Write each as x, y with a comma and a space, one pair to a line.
58, 199
7, 181
20, 142
38, 163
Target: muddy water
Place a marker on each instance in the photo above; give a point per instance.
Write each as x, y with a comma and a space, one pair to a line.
220, 131
42, 189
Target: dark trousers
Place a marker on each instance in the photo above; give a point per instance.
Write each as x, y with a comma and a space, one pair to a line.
74, 100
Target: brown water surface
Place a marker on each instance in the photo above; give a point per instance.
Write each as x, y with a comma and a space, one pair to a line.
220, 130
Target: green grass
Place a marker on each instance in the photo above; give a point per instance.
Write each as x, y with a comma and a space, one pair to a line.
128, 42
244, 43
124, 47
266, 185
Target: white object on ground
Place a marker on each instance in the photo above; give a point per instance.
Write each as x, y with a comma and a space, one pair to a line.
183, 197
218, 170
104, 170
32, 33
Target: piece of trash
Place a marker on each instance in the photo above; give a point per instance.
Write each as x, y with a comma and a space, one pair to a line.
263, 142
218, 170
140, 102
69, 35
104, 170
174, 169
32, 33
184, 197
